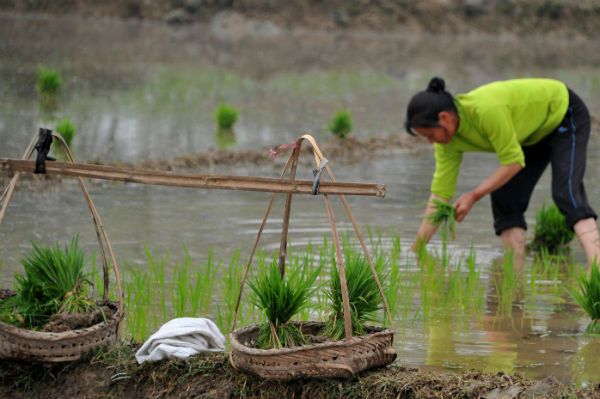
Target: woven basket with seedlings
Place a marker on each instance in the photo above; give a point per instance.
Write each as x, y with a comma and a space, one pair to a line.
51, 316
281, 349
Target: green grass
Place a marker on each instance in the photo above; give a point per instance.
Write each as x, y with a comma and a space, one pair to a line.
551, 232
341, 124
363, 294
48, 81
588, 297
281, 298
226, 116
54, 281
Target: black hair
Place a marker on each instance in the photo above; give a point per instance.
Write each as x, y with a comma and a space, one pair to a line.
424, 107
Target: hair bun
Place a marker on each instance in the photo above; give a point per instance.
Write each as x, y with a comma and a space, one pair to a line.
436, 85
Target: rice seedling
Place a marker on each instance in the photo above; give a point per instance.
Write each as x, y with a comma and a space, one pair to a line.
507, 285
363, 294
281, 298
551, 232
67, 130
54, 281
232, 279
341, 124
226, 116
588, 297
444, 215
48, 81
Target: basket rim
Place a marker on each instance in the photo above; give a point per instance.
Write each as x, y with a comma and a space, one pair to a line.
237, 345
19, 332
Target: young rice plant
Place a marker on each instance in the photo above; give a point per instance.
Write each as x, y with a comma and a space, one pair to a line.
67, 130
588, 297
444, 215
280, 298
551, 232
226, 116
341, 124
364, 297
54, 282
48, 81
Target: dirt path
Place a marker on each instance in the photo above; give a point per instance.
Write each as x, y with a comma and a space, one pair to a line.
115, 374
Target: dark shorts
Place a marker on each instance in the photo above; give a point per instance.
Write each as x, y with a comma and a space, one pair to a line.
565, 148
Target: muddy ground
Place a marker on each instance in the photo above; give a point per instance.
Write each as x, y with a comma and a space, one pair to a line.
114, 373
520, 16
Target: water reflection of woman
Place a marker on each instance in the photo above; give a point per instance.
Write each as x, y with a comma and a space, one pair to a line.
528, 123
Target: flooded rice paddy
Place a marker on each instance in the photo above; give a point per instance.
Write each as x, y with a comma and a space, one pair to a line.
139, 91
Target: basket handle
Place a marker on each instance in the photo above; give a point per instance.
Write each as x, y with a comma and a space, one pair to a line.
319, 158
100, 231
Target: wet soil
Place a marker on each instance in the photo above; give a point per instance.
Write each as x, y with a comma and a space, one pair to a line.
114, 373
520, 16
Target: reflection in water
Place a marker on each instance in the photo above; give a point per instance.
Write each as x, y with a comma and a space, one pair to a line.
141, 91
225, 138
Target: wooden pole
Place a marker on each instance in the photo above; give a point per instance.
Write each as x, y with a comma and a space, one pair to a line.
144, 176
286, 215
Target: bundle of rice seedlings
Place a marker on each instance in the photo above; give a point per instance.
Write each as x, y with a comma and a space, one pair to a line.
281, 299
53, 282
588, 297
551, 232
48, 81
363, 294
445, 216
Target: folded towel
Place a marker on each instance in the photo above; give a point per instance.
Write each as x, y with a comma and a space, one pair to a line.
182, 338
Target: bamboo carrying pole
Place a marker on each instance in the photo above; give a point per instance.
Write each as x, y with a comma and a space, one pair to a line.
144, 176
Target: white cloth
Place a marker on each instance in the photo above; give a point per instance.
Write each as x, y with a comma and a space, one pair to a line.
182, 338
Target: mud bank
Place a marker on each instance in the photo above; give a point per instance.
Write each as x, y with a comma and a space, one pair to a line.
113, 373
521, 16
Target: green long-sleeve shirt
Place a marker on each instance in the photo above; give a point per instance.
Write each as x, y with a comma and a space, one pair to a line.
499, 117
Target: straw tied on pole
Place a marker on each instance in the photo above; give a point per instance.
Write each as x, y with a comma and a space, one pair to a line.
339, 358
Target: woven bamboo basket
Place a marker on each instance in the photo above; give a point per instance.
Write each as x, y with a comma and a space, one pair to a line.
46, 347
342, 358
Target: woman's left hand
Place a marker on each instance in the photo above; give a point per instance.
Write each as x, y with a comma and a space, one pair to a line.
463, 205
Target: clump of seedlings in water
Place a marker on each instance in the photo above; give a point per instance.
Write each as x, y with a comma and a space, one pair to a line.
48, 82
281, 298
444, 215
54, 282
588, 297
341, 124
67, 130
226, 116
551, 231
363, 294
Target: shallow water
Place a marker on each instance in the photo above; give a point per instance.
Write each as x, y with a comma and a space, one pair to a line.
140, 91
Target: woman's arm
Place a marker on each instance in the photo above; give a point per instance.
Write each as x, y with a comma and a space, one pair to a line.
427, 229
500, 177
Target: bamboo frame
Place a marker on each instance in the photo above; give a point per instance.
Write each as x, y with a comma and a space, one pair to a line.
293, 159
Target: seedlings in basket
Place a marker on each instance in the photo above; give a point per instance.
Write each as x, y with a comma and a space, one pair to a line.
551, 231
588, 297
54, 282
363, 294
281, 299
444, 215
